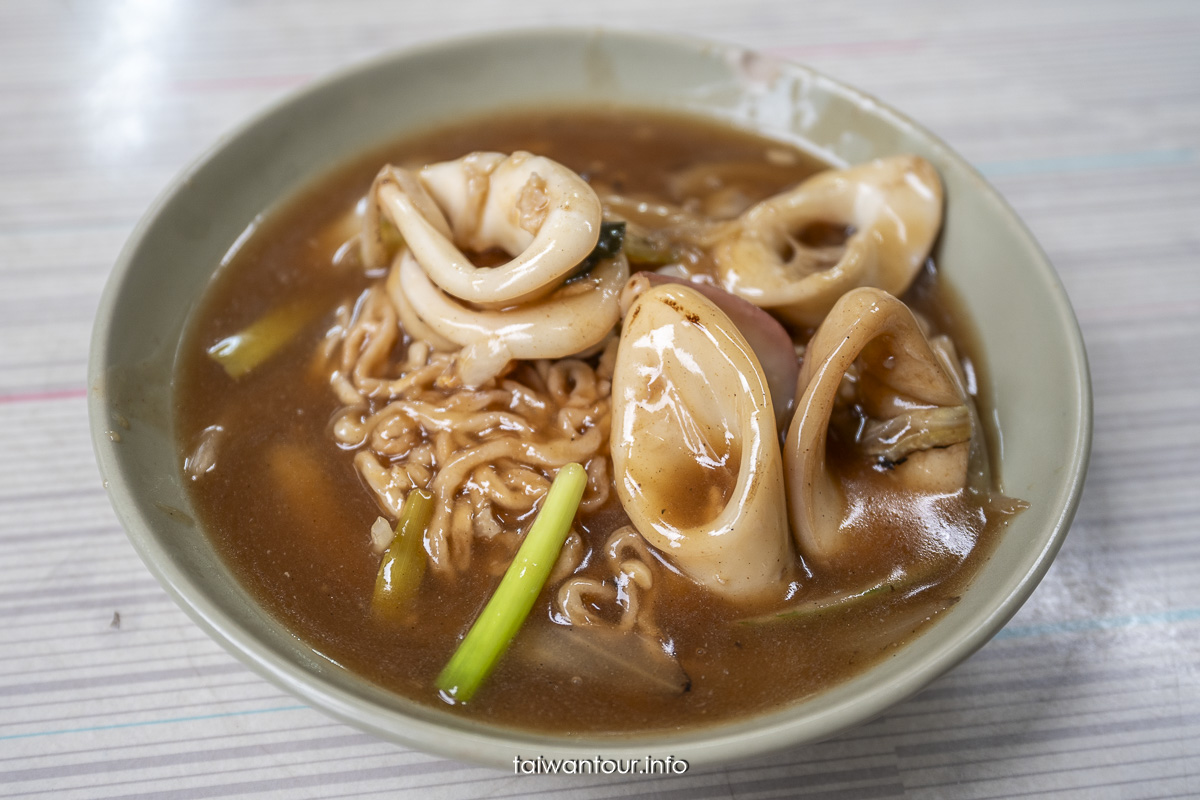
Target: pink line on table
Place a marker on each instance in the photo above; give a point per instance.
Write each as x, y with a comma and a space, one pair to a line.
51, 394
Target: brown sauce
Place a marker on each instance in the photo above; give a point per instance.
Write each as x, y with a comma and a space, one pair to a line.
287, 511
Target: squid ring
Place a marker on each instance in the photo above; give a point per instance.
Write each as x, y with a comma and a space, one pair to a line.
539, 212
893, 207
578, 315
900, 373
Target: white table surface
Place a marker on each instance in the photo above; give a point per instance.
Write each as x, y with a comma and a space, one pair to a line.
1085, 115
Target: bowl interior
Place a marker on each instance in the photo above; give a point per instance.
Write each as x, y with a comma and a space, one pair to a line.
1034, 355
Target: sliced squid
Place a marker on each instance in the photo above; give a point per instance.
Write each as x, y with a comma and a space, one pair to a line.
576, 316
543, 215
892, 208
770, 341
696, 457
917, 422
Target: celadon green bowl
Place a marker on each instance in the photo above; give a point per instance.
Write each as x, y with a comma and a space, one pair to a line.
1039, 385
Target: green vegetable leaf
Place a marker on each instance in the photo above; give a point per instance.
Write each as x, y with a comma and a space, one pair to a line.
612, 236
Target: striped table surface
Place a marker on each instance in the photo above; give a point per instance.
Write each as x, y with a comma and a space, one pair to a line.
1085, 115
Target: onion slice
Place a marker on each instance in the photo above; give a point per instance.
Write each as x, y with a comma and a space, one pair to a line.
765, 335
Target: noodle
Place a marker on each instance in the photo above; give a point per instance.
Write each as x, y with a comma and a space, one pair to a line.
582, 600
477, 449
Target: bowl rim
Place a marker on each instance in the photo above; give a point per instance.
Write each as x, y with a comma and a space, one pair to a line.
493, 744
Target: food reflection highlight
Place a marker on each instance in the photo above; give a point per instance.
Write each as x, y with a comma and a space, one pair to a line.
636, 434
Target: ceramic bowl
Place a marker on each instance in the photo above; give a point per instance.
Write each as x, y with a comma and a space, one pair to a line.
1031, 343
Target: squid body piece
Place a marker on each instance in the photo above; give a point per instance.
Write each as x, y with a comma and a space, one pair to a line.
694, 446
893, 207
539, 212
918, 414
571, 319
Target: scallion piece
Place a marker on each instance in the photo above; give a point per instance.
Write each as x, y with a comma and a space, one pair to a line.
403, 564
505, 612
254, 344
643, 248
904, 584
608, 245
841, 601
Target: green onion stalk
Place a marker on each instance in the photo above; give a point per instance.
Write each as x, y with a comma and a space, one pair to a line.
487, 640
403, 564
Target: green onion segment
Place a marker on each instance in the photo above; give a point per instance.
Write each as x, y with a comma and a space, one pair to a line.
612, 235
840, 601
506, 611
263, 338
403, 564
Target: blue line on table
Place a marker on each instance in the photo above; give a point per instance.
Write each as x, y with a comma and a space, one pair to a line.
1085, 625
